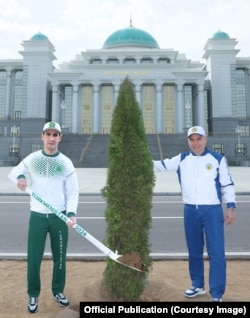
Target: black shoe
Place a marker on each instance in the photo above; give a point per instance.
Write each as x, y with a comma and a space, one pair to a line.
33, 305
61, 299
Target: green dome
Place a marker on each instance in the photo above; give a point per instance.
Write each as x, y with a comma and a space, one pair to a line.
220, 35
39, 37
130, 37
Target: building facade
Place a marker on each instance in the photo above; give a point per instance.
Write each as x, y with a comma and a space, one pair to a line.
173, 92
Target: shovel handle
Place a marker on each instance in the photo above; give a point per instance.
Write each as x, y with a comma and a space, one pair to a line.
76, 227
114, 256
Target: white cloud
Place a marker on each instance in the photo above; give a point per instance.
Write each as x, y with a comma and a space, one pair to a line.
72, 26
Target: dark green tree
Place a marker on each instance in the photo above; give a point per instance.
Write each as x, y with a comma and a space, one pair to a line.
128, 193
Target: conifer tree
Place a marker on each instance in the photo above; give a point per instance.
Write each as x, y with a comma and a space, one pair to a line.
128, 193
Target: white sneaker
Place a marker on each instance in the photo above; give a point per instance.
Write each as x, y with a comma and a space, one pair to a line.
217, 299
194, 291
33, 305
61, 299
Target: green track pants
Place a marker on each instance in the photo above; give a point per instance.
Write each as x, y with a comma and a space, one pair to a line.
39, 226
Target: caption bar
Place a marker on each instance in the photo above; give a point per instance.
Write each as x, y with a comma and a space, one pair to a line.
173, 309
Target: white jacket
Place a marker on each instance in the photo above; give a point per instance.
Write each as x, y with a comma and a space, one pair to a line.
204, 179
53, 178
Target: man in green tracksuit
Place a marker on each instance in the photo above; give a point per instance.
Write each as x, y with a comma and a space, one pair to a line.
53, 177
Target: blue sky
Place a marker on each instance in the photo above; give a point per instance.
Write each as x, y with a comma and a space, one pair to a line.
76, 25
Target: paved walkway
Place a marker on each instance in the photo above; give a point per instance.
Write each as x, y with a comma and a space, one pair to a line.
92, 180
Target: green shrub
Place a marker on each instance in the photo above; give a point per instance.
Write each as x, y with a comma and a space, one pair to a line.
128, 193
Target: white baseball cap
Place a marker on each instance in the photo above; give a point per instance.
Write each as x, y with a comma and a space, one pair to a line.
52, 125
196, 130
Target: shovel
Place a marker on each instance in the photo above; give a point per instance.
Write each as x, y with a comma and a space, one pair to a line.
114, 256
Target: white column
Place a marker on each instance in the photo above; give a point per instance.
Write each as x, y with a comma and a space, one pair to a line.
95, 108
201, 112
75, 109
116, 92
138, 93
159, 109
180, 107
55, 116
7, 102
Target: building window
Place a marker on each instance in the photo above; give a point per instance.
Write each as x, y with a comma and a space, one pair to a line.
66, 107
36, 147
239, 92
148, 105
218, 148
87, 109
169, 109
107, 107
17, 115
188, 105
96, 61
14, 150
146, 61
244, 130
241, 148
129, 61
2, 99
3, 75
19, 75
164, 60
19, 105
112, 61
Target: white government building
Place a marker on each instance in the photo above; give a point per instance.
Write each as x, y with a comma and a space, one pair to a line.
173, 92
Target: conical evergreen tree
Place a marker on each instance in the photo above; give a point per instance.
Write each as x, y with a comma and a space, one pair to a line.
128, 193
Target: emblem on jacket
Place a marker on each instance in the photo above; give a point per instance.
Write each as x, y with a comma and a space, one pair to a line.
209, 166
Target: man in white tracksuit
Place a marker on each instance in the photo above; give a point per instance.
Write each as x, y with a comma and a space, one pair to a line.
52, 176
205, 183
